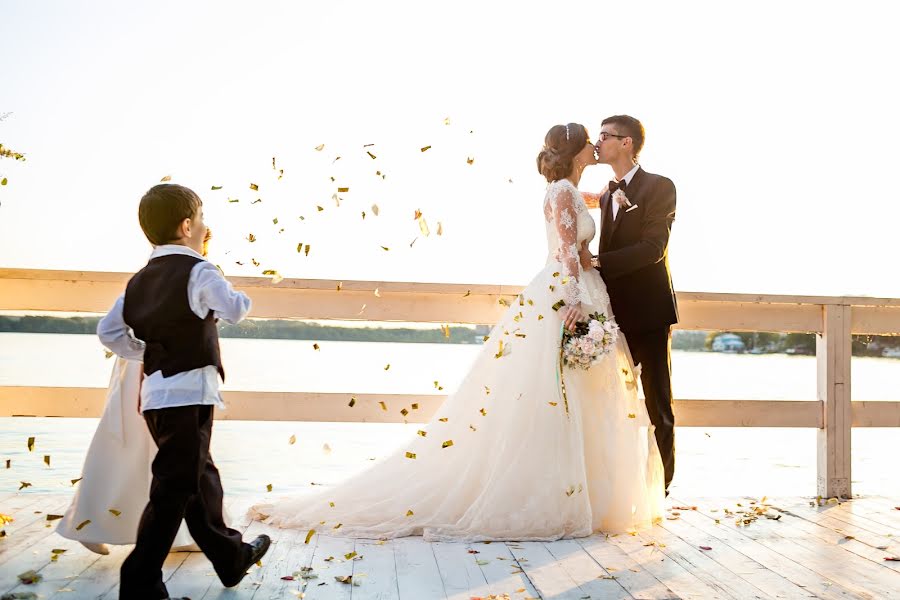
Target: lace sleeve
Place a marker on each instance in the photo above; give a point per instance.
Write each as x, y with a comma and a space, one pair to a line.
565, 213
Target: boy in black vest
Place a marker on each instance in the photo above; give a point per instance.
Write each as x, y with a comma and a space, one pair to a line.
167, 318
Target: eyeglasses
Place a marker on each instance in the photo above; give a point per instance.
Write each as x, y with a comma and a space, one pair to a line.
605, 134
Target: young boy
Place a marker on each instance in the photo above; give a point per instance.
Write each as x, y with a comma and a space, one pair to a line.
171, 306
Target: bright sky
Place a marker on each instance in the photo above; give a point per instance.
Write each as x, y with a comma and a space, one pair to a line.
776, 120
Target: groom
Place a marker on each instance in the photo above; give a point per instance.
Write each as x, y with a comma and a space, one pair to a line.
634, 262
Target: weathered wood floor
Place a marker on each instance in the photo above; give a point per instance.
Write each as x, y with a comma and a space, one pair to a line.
707, 548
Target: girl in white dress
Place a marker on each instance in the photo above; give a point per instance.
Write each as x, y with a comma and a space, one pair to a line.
507, 457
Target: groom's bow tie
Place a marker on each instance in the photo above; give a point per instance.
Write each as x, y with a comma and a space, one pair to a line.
617, 185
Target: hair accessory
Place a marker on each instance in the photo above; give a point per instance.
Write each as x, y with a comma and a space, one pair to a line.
567, 132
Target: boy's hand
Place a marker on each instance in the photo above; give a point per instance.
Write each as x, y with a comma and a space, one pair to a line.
140, 385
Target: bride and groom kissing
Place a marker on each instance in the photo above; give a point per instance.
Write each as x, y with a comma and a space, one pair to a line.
513, 454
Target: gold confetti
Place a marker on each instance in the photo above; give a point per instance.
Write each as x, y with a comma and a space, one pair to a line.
216, 187
315, 346
377, 293
268, 487
631, 416
233, 200
74, 481
422, 432
47, 459
292, 440
487, 391
319, 148
540, 317
375, 209
166, 178
51, 517
338, 526
82, 525
4, 519
309, 535
447, 121
331, 504
319, 208
446, 330
254, 187
470, 161
404, 412
343, 190
438, 386
472, 427
382, 405
115, 512
443, 419
251, 238
340, 285
352, 402
349, 555
372, 156
31, 444
423, 227
440, 229
409, 513
24, 485
385, 248
552, 403
447, 444
387, 366
425, 148
411, 455
483, 412
414, 406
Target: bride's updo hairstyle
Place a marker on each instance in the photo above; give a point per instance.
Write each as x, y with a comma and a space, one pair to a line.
561, 144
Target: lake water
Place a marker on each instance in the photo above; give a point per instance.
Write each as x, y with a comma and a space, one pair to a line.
250, 455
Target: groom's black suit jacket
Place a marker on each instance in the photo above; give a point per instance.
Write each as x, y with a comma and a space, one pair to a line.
634, 257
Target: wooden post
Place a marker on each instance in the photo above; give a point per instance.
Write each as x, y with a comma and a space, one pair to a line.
833, 351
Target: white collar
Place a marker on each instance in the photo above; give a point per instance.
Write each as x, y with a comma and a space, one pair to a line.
168, 249
630, 175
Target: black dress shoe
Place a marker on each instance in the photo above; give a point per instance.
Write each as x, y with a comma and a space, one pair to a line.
258, 549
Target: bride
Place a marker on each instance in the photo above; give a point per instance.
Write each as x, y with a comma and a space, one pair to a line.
507, 457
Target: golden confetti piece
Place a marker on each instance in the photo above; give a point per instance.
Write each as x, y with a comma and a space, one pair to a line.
411, 455
413, 242
338, 526
364, 215
631, 416
47, 459
472, 427
233, 200
503, 302
404, 412
24, 485
409, 513
343, 190
74, 481
447, 444
382, 405
268, 487
487, 391
255, 262
319, 208
414, 406
331, 504
349, 556
309, 535
216, 187
372, 156
552, 403
319, 148
387, 366
337, 158
51, 517
292, 440
82, 525
377, 293
115, 512
275, 221
483, 412
447, 121
423, 227
251, 238
315, 346
425, 148
423, 433
166, 178
257, 201
440, 229
31, 444
306, 250
375, 209
446, 330
254, 187
58, 551
520, 335
558, 305
443, 419
340, 285
470, 161
352, 402
385, 248
467, 294
326, 449
4, 519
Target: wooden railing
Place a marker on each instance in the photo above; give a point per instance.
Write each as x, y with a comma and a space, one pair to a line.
833, 319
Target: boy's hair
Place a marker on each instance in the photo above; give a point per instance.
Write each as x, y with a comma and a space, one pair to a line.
162, 210
628, 126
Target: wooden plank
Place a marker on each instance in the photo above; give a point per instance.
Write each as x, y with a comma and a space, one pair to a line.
503, 576
418, 575
460, 572
31, 526
768, 582
592, 579
876, 414
545, 572
876, 320
850, 572
98, 579
639, 582
251, 581
796, 572
375, 572
329, 562
334, 407
833, 353
681, 581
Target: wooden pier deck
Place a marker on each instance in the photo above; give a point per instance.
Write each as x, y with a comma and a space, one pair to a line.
707, 548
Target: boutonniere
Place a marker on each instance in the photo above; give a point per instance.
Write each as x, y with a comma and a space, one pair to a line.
621, 199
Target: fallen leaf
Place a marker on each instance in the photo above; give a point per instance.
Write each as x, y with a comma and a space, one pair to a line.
30, 577
705, 547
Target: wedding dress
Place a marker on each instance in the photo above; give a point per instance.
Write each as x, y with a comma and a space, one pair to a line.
507, 456
115, 484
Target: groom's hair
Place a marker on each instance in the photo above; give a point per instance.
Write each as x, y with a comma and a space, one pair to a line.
162, 210
630, 127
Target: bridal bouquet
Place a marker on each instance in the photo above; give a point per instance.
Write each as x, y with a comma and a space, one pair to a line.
590, 342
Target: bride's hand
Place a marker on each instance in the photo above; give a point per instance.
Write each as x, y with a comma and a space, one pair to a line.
574, 314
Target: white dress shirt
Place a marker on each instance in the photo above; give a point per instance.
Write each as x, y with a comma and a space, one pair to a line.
628, 177
207, 290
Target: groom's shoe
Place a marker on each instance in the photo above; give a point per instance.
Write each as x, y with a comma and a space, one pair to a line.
258, 549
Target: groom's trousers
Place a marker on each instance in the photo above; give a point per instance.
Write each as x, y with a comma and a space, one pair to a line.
653, 350
185, 486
